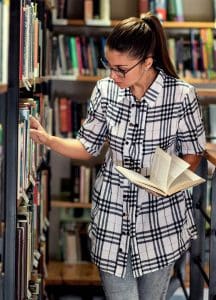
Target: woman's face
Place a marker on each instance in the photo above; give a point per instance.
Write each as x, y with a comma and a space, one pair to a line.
124, 69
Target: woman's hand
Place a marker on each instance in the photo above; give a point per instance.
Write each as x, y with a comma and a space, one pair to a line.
38, 133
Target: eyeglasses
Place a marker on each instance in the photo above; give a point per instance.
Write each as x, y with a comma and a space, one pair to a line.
119, 72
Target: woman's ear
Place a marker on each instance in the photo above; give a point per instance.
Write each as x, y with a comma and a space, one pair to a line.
148, 63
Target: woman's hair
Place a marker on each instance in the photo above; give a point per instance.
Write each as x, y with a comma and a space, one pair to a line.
142, 38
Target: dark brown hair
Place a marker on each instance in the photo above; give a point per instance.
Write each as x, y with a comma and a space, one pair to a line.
142, 38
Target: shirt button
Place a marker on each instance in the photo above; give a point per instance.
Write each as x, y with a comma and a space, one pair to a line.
120, 249
131, 124
126, 142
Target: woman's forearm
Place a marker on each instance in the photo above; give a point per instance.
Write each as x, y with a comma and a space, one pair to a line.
193, 160
68, 147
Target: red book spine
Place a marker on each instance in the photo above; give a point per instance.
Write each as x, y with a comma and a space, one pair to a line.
143, 7
63, 115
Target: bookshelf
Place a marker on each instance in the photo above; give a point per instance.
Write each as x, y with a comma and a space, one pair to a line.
25, 171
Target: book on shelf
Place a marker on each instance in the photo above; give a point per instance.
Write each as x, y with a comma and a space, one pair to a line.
161, 9
169, 174
74, 245
97, 12
143, 7
4, 40
175, 10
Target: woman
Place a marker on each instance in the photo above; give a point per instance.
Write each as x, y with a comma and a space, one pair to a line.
136, 237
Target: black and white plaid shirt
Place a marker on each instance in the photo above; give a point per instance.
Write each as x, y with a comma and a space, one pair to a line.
156, 229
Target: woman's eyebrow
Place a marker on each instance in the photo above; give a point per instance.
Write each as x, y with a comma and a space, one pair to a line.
116, 65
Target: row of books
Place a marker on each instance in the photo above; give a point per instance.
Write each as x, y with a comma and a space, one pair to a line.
77, 55
164, 9
78, 187
4, 40
97, 12
94, 12
31, 235
69, 115
74, 244
195, 55
100, 12
31, 154
34, 40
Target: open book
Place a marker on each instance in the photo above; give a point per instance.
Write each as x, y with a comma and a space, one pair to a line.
168, 175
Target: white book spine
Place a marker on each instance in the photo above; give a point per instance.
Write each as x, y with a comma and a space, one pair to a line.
105, 10
5, 40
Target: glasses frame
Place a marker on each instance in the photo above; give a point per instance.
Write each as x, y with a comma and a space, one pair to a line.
121, 73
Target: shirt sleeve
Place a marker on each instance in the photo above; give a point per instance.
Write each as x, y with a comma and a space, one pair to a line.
191, 135
93, 131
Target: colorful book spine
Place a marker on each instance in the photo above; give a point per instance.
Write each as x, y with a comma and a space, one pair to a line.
161, 9
179, 10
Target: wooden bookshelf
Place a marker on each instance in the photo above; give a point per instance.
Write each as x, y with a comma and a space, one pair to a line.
188, 25
205, 92
83, 273
195, 81
34, 81
166, 24
69, 204
3, 88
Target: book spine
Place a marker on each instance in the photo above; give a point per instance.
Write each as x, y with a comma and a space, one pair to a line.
105, 10
73, 50
88, 10
179, 11
161, 9
63, 114
5, 40
143, 7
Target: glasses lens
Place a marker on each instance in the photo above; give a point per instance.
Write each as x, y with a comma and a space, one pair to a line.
117, 71
105, 63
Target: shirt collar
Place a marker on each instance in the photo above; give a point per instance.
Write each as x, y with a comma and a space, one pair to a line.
152, 93
155, 90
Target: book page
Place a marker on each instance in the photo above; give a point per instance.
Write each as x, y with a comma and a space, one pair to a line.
184, 181
139, 180
178, 166
160, 169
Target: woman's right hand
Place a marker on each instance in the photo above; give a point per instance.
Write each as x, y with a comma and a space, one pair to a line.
38, 133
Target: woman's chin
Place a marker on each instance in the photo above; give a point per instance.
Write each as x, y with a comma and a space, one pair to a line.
121, 84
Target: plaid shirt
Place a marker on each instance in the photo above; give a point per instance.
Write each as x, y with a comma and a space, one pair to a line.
157, 229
